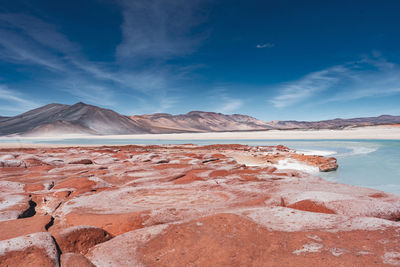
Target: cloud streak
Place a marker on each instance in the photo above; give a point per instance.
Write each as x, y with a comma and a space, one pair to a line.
266, 45
230, 105
294, 92
224, 102
366, 78
20, 103
158, 29
151, 30
29, 41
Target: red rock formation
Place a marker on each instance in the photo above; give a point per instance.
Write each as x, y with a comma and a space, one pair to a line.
76, 260
309, 205
31, 250
20, 227
79, 239
221, 205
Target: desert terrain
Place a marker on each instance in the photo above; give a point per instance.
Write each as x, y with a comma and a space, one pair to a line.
187, 205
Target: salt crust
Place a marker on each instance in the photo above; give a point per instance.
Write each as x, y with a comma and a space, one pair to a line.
291, 164
133, 199
344, 202
338, 251
74, 167
392, 258
320, 196
14, 187
107, 254
9, 197
7, 157
314, 237
9, 215
41, 240
100, 183
11, 200
311, 247
290, 220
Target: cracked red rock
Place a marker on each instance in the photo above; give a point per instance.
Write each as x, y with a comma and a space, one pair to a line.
186, 204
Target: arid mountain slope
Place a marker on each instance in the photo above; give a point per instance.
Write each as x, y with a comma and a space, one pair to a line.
3, 118
78, 118
56, 119
199, 121
335, 123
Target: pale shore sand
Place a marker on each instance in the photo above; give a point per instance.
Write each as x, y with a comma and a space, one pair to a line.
362, 133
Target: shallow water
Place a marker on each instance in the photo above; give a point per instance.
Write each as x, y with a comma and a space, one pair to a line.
368, 163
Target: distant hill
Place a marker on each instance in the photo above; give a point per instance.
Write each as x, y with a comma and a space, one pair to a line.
199, 121
78, 118
336, 123
3, 118
56, 119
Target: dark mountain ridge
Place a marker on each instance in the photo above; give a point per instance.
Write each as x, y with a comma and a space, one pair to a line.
81, 117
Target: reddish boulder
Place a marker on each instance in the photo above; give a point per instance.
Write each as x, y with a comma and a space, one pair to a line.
75, 260
36, 249
79, 239
328, 167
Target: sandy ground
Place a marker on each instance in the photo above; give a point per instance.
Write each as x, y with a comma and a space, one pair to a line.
372, 132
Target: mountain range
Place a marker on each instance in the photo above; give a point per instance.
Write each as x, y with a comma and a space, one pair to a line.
81, 118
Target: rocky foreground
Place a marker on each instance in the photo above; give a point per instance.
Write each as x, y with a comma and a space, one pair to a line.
219, 205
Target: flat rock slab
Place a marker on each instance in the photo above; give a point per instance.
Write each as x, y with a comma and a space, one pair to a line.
232, 240
19, 227
183, 205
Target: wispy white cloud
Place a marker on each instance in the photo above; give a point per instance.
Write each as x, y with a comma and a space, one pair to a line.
294, 92
19, 49
27, 40
369, 77
14, 101
167, 102
153, 30
159, 29
381, 78
40, 31
89, 92
266, 45
230, 105
223, 101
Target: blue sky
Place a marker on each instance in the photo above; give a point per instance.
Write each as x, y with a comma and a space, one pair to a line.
275, 60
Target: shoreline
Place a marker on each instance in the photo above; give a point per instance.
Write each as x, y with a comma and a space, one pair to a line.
364, 133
